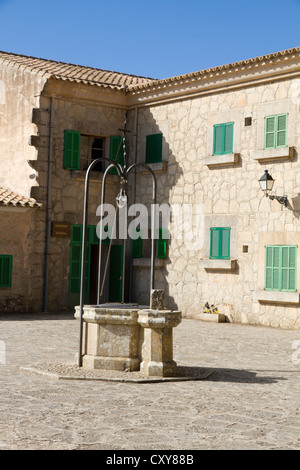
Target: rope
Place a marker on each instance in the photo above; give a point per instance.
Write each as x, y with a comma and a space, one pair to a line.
108, 255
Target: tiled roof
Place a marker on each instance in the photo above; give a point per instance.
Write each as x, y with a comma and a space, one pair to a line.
72, 72
9, 198
276, 56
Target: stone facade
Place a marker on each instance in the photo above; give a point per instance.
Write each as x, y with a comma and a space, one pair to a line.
224, 189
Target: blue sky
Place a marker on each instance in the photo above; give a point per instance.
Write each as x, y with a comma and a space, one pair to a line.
154, 38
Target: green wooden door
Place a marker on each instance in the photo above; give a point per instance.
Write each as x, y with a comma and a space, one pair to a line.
116, 273
75, 263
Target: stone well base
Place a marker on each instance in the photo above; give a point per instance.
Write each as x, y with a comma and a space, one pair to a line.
110, 337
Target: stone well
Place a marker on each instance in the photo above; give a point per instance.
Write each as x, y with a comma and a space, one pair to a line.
130, 337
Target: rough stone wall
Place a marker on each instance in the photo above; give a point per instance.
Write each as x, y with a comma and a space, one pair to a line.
67, 187
19, 94
22, 235
227, 195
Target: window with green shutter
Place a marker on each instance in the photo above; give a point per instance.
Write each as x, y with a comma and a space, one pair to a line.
220, 243
162, 243
223, 138
6, 263
280, 268
154, 148
72, 150
137, 246
276, 131
116, 152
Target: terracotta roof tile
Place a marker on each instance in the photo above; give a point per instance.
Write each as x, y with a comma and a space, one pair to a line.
72, 72
9, 198
281, 55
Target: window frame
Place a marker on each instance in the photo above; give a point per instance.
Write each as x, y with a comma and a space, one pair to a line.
220, 242
280, 269
223, 138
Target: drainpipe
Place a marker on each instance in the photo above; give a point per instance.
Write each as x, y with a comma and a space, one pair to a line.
133, 191
48, 210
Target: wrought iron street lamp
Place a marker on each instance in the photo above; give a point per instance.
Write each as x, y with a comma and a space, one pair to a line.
266, 184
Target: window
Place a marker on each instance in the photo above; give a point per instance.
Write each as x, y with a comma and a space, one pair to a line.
275, 131
220, 243
91, 148
223, 138
154, 148
6, 262
80, 150
141, 248
280, 268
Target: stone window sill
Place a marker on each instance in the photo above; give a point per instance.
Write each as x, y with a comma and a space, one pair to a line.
219, 160
156, 167
273, 154
218, 264
96, 176
278, 297
146, 262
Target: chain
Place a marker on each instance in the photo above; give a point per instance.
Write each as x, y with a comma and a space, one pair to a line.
124, 258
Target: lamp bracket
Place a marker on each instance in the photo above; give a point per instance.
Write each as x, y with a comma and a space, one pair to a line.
280, 199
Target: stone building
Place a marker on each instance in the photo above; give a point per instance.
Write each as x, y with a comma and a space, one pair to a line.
209, 136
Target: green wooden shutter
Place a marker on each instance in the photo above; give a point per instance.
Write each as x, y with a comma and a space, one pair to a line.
137, 246
280, 268
218, 139
225, 243
276, 268
75, 259
270, 132
292, 284
162, 243
269, 268
228, 137
154, 148
75, 266
71, 150
214, 242
281, 130
115, 145
6, 262
92, 235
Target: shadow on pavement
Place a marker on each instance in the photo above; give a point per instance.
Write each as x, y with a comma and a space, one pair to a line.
233, 375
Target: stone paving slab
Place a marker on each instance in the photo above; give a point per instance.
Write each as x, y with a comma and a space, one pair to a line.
250, 401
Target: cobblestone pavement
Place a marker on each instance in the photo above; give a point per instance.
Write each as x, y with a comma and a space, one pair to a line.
251, 401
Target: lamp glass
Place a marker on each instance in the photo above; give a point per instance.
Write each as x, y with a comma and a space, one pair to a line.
266, 181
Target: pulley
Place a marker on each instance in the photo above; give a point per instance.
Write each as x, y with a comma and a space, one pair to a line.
121, 199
